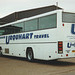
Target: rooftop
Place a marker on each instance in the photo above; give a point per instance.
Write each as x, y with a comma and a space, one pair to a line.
27, 13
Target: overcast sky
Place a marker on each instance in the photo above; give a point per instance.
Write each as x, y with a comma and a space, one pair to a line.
9, 6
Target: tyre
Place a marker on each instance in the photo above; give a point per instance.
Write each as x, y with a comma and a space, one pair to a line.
0, 53
29, 55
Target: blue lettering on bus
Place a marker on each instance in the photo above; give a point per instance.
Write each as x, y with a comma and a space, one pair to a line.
2, 37
7, 40
70, 44
41, 36
73, 29
19, 36
25, 36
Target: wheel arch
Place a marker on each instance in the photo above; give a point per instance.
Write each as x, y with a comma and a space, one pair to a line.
29, 48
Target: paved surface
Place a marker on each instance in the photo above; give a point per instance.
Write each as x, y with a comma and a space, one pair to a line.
19, 66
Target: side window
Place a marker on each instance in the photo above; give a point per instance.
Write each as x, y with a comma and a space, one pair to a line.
31, 25
16, 28
2, 31
6, 30
19, 27
45, 22
48, 22
9, 29
68, 17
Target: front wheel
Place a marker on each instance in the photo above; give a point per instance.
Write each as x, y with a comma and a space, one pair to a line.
29, 55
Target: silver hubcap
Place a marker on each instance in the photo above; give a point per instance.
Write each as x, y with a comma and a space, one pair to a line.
30, 55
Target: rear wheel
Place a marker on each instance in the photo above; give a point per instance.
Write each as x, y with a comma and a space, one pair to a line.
0, 51
29, 54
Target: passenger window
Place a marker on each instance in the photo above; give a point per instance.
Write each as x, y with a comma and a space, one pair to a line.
2, 31
19, 27
6, 30
48, 22
31, 25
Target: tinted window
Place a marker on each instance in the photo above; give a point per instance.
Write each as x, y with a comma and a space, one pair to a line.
68, 17
31, 25
2, 31
7, 30
47, 22
19, 27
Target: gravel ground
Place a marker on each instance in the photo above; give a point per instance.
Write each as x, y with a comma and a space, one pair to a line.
20, 66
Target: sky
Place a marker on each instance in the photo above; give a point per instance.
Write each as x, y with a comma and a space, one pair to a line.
9, 6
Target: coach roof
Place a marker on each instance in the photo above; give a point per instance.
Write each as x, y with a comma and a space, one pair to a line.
27, 13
